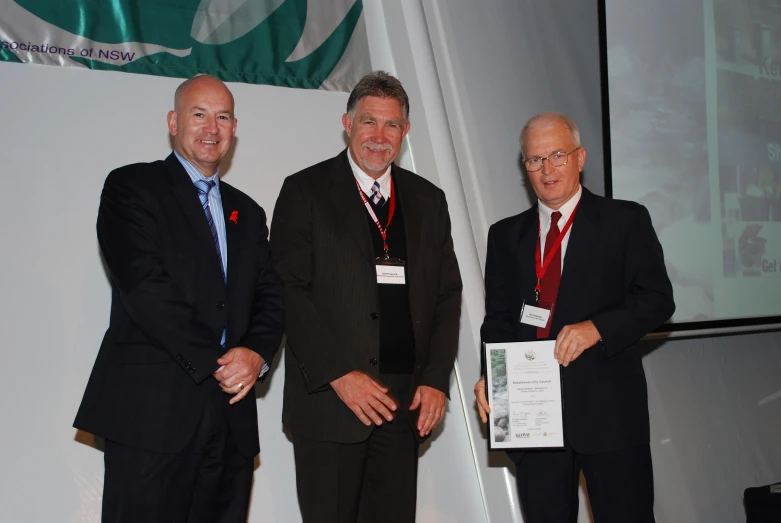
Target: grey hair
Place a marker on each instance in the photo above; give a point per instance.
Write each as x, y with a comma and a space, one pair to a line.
381, 85
545, 119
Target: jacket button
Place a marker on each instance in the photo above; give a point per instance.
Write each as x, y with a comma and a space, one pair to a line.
220, 304
373, 315
373, 361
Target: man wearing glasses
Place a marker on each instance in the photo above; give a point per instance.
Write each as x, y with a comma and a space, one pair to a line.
606, 287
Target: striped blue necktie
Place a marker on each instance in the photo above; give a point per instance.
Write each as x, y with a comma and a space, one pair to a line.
204, 186
377, 197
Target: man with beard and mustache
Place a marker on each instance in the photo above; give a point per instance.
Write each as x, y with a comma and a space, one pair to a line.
373, 300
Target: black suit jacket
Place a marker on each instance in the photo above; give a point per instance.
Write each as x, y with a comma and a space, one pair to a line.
325, 255
614, 275
169, 306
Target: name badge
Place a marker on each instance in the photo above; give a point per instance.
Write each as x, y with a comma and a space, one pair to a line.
536, 316
391, 272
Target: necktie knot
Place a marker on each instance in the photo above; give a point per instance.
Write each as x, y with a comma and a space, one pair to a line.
377, 196
205, 186
554, 219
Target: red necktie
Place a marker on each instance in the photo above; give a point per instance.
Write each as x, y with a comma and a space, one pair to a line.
552, 278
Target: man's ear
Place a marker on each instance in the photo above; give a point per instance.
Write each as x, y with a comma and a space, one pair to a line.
347, 124
172, 128
581, 158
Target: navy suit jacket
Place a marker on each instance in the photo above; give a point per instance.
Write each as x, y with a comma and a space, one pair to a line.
170, 305
613, 275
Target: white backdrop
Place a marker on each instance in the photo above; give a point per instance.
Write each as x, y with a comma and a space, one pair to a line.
715, 403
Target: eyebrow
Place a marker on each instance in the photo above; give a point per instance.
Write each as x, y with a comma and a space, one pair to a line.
366, 116
559, 150
204, 110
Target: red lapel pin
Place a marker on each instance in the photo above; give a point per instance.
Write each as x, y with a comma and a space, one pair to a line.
234, 217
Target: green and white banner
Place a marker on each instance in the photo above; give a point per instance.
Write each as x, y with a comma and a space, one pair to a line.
311, 44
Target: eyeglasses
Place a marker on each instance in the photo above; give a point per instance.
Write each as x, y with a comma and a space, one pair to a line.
556, 159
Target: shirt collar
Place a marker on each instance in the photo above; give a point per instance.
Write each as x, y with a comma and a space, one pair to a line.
195, 174
565, 210
366, 181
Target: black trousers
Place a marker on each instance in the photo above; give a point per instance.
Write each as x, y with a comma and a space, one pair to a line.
620, 485
208, 482
373, 481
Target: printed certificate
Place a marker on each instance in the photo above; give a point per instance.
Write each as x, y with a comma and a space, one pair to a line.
524, 391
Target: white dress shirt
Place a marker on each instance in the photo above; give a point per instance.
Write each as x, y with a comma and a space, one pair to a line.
566, 211
366, 181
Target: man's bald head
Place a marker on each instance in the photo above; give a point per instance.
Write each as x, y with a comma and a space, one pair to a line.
195, 82
549, 119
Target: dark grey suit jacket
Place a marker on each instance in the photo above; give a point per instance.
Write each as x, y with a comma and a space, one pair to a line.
324, 253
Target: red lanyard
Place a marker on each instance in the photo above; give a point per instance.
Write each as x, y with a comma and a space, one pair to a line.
540, 267
391, 209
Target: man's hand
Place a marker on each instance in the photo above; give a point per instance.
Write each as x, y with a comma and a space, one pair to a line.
240, 368
482, 401
573, 340
432, 408
368, 400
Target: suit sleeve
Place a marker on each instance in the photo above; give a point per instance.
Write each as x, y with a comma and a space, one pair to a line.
315, 346
445, 326
267, 316
498, 324
648, 301
129, 239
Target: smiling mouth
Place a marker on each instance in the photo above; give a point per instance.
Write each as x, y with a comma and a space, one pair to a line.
209, 142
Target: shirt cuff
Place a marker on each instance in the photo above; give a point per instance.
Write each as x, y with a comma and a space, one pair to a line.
264, 369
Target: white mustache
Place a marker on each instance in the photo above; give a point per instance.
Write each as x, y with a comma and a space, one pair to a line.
377, 147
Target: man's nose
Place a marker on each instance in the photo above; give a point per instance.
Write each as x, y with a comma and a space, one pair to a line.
211, 125
379, 134
547, 166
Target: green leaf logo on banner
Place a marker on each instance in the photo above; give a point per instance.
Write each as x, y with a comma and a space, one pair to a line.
294, 43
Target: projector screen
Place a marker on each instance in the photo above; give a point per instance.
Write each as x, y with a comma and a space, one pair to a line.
694, 92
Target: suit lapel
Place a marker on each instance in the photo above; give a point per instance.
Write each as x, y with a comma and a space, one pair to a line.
343, 192
233, 231
187, 196
413, 206
527, 242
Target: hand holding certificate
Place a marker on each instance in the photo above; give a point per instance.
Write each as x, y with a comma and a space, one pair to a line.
523, 387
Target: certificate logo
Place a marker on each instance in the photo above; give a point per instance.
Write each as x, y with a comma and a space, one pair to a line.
530, 355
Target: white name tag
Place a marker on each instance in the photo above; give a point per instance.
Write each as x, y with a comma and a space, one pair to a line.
391, 274
536, 316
